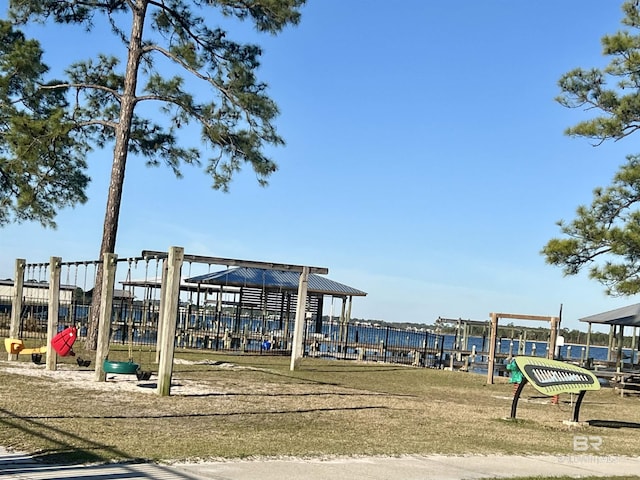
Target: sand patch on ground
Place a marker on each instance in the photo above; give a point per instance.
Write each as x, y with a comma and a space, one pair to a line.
71, 377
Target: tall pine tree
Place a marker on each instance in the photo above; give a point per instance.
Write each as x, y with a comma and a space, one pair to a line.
236, 119
605, 236
42, 160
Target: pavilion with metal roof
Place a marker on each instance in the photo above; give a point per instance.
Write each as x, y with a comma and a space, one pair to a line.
275, 280
628, 316
276, 291
617, 319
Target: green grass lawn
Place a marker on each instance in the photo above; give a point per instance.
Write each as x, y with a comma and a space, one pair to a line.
253, 406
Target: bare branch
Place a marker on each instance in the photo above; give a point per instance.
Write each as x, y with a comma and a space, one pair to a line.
82, 86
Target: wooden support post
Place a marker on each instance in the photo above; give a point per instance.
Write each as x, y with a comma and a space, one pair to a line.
619, 356
286, 315
161, 333
54, 305
16, 303
318, 328
522, 343
169, 316
298, 331
586, 351
342, 330
109, 265
244, 339
492, 348
465, 337
611, 342
553, 337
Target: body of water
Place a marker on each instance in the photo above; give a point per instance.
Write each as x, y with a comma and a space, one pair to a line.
540, 349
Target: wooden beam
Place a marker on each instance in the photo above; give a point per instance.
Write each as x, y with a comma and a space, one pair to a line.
52, 312
492, 348
462, 320
160, 335
232, 262
553, 337
169, 316
523, 317
587, 347
301, 320
619, 357
109, 262
16, 302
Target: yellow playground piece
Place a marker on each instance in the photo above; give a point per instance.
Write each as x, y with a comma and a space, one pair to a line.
16, 347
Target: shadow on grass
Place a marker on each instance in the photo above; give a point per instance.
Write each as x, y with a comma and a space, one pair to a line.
57, 462
309, 394
303, 380
364, 368
612, 424
63, 449
304, 394
176, 415
29, 468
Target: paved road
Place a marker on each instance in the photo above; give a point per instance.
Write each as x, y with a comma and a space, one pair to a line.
16, 466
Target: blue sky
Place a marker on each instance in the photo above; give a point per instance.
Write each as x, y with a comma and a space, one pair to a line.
425, 161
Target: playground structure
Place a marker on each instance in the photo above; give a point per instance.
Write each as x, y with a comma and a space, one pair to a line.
163, 307
495, 317
243, 309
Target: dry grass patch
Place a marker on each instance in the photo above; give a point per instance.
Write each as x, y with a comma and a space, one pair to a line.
248, 406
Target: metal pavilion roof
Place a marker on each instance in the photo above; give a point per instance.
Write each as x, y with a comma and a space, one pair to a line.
628, 316
275, 280
156, 282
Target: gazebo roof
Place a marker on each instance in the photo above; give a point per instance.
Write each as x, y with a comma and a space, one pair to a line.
280, 280
628, 316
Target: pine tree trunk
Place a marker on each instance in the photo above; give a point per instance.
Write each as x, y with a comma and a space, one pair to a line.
122, 136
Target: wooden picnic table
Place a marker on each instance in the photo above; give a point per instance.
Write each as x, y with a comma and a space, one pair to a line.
626, 382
